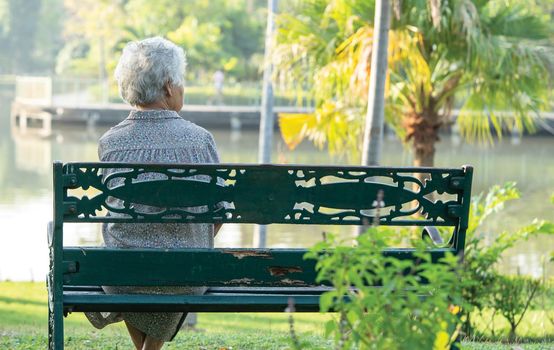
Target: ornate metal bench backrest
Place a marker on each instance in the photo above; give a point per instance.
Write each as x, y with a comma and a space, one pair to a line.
263, 194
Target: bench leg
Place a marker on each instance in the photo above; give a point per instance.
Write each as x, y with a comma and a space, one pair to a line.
55, 318
55, 327
55, 293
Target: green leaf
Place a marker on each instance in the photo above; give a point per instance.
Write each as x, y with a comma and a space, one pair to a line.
330, 327
326, 301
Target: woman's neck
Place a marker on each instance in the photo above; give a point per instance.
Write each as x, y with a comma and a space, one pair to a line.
158, 105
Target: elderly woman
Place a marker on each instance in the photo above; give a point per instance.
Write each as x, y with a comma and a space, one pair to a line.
150, 75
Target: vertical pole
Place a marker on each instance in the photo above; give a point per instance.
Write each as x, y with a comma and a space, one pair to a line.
373, 132
267, 122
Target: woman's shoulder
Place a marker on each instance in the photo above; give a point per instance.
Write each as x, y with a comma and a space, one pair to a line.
113, 134
196, 131
155, 130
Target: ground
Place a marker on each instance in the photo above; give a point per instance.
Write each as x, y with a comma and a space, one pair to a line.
23, 326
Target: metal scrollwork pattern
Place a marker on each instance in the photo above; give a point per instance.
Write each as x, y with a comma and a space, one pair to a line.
260, 194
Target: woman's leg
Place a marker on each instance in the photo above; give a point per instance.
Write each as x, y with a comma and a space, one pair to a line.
152, 344
136, 335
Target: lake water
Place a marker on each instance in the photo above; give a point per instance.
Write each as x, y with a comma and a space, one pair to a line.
26, 195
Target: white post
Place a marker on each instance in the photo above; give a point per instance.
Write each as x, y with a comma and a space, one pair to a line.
373, 133
266, 113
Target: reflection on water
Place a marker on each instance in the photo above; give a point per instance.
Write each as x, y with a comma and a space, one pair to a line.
26, 204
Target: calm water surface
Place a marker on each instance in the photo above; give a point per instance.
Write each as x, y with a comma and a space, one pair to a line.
26, 196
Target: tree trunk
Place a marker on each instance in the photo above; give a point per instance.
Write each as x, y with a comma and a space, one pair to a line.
512, 335
424, 157
373, 133
423, 132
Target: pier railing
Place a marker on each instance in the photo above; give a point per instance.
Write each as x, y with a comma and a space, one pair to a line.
71, 91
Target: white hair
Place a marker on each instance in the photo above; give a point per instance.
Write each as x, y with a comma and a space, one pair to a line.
146, 66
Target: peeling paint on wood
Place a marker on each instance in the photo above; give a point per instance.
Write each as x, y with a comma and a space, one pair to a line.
283, 270
289, 282
242, 253
240, 281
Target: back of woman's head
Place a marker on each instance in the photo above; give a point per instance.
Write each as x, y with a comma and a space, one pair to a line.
146, 66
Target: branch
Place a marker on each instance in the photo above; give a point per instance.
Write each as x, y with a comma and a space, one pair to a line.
535, 288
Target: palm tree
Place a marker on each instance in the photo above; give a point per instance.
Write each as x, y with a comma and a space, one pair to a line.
488, 57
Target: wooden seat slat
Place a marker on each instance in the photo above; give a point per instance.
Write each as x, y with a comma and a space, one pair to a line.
222, 290
216, 302
189, 267
196, 267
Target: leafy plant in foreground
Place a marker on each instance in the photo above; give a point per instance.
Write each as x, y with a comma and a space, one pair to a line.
412, 307
479, 266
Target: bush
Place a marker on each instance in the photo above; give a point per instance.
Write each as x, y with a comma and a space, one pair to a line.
512, 296
396, 315
479, 273
411, 309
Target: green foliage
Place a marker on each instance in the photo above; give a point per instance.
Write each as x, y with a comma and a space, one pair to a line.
481, 56
412, 308
482, 253
390, 316
229, 38
512, 296
30, 34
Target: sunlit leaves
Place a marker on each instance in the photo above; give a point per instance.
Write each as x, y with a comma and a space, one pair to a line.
410, 308
331, 125
228, 38
487, 58
483, 254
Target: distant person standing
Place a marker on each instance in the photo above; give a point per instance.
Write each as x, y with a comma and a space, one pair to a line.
218, 78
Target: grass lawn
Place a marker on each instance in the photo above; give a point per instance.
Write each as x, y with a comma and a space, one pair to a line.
23, 313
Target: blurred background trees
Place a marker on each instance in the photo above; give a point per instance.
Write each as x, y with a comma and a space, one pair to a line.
30, 35
85, 37
480, 57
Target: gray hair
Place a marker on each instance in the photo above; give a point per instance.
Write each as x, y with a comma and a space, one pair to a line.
146, 66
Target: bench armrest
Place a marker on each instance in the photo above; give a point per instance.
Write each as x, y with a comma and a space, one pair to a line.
432, 233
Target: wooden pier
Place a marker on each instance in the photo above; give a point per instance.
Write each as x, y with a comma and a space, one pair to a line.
40, 118
36, 109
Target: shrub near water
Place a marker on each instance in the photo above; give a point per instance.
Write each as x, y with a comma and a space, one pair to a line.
512, 296
484, 287
412, 308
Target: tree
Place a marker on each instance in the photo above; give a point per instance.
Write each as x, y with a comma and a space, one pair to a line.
483, 56
91, 30
225, 39
18, 29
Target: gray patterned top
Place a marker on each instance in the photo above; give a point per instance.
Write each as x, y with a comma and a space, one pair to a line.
155, 136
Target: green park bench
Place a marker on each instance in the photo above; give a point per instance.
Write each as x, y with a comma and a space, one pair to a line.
239, 280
